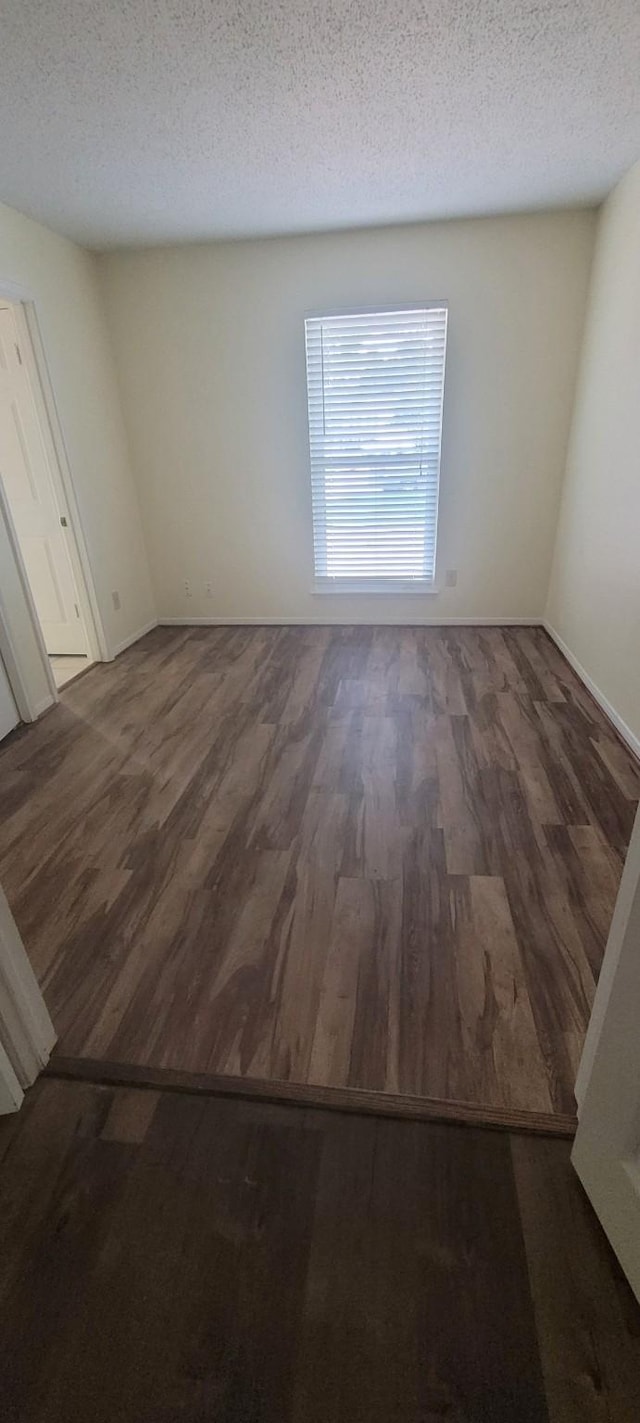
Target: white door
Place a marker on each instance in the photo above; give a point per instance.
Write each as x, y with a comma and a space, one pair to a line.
30, 494
26, 1032
8, 709
606, 1151
11, 1093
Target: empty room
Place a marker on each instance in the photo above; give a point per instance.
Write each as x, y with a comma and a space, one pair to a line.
320, 711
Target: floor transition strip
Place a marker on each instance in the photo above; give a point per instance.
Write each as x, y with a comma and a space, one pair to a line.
303, 1094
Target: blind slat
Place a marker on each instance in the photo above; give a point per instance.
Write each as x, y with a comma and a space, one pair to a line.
375, 383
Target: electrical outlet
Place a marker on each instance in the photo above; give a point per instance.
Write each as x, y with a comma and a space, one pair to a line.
187, 588
451, 577
208, 590
116, 600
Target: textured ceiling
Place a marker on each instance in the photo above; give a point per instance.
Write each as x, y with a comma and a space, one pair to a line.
135, 121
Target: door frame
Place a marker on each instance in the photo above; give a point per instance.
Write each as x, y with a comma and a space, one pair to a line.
606, 1150
11, 1093
27, 1034
34, 355
9, 649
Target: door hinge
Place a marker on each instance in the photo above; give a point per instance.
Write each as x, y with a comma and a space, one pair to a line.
63, 521
77, 610
18, 352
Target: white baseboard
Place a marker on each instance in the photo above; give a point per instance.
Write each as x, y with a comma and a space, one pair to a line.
633, 741
135, 637
349, 622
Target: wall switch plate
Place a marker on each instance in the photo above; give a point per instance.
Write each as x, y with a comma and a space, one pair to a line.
116, 600
451, 577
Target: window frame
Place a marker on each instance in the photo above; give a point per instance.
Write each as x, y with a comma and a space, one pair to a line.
325, 585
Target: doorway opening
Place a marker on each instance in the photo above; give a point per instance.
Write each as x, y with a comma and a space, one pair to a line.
36, 506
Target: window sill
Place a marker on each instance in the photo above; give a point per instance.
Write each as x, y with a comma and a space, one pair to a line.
389, 587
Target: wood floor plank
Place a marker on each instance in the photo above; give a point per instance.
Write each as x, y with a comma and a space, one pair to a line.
130, 1116
50, 1123
303, 928
183, 832
499, 1039
352, 928
458, 784
472, 1277
524, 738
625, 771
438, 1288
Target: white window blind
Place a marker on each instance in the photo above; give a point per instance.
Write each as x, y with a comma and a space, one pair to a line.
375, 383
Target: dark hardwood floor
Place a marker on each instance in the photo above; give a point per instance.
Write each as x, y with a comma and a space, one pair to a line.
169, 1257
351, 857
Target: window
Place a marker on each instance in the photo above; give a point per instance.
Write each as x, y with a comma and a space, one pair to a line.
375, 383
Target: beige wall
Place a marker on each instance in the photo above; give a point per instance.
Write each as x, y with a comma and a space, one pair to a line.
61, 279
209, 345
594, 598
